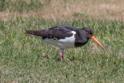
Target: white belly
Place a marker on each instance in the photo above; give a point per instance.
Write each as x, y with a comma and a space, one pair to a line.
68, 42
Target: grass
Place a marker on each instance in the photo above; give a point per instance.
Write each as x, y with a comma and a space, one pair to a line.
27, 59
20, 6
23, 57
63, 9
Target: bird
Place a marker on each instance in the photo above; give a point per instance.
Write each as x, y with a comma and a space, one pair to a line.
64, 37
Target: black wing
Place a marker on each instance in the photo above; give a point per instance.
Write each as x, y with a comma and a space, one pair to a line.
57, 32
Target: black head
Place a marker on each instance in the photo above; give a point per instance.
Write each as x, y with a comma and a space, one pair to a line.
90, 35
88, 31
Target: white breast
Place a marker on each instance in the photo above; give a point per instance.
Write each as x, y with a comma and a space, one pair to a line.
68, 42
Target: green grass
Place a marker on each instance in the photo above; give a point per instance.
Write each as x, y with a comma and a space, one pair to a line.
26, 5
21, 5
22, 57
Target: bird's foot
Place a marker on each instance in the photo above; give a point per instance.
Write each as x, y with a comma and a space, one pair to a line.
61, 56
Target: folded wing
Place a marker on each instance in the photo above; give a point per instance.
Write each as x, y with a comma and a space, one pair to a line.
52, 33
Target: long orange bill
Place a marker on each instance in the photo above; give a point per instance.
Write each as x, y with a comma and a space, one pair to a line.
96, 41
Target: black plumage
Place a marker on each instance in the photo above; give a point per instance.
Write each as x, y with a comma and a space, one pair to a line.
61, 32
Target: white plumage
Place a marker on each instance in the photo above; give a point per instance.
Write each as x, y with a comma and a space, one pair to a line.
67, 42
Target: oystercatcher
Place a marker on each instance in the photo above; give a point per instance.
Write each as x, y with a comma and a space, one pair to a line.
65, 37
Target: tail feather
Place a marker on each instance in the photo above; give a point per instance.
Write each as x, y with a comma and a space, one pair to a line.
33, 32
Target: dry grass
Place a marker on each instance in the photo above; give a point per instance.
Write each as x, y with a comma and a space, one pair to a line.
68, 10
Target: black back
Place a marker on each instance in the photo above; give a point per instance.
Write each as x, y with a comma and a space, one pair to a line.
57, 32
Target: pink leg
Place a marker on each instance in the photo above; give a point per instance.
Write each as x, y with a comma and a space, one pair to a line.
61, 54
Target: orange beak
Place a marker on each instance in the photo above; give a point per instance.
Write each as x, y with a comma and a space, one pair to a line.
96, 41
